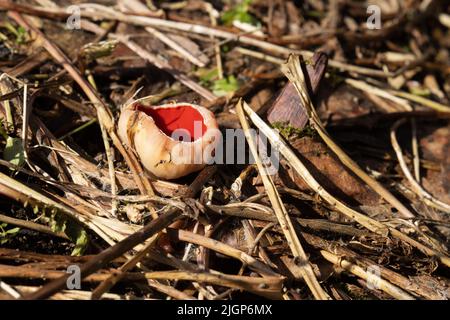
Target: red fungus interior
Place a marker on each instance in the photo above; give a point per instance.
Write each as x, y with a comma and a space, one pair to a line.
179, 117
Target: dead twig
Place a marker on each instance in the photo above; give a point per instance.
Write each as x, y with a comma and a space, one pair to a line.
375, 280
103, 113
96, 11
300, 168
163, 65
32, 226
294, 73
282, 214
100, 260
416, 187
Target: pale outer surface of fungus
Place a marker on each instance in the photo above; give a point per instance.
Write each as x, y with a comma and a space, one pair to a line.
161, 155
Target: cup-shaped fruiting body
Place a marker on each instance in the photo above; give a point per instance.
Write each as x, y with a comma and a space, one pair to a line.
171, 140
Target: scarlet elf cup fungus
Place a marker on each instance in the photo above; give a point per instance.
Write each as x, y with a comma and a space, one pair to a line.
171, 140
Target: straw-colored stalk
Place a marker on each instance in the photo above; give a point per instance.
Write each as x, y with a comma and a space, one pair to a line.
100, 12
103, 113
103, 227
224, 249
78, 294
269, 287
426, 197
396, 96
9, 290
369, 277
294, 73
292, 69
423, 101
300, 168
161, 64
107, 284
282, 214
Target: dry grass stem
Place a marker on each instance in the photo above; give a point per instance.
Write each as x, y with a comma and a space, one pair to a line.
369, 277
282, 214
416, 187
299, 167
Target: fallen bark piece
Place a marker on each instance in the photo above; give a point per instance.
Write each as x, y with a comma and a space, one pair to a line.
287, 109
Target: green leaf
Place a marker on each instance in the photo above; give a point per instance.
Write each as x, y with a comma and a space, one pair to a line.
57, 223
14, 152
225, 48
13, 231
7, 234
314, 14
78, 235
72, 229
22, 35
93, 51
420, 91
239, 13
81, 239
225, 86
206, 75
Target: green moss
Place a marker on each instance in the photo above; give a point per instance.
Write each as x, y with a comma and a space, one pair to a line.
288, 131
334, 79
